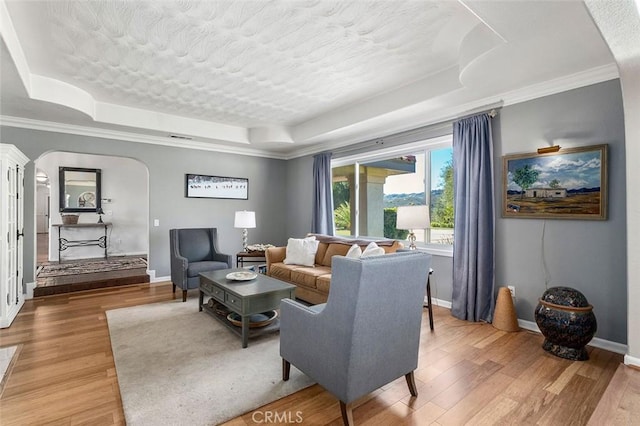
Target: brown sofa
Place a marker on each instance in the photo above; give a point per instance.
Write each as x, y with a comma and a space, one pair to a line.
313, 282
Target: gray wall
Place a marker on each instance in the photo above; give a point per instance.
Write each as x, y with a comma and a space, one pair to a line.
587, 255
299, 196
167, 167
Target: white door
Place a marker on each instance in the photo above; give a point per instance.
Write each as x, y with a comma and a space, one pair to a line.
42, 209
14, 241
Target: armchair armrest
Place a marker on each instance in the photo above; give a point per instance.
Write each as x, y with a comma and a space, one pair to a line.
274, 255
300, 327
179, 265
221, 257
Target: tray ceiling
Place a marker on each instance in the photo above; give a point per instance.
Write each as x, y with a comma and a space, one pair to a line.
280, 75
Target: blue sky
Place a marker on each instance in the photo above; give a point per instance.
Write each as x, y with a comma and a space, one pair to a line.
573, 170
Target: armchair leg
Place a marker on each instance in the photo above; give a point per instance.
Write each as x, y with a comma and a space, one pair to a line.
184, 295
347, 413
174, 288
286, 369
411, 383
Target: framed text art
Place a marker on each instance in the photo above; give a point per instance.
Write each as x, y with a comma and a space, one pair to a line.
568, 184
203, 186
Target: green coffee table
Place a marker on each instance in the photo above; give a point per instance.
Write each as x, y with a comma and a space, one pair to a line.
245, 298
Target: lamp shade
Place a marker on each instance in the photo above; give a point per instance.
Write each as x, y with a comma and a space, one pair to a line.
245, 219
413, 217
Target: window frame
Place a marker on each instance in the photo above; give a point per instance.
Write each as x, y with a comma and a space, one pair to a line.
426, 145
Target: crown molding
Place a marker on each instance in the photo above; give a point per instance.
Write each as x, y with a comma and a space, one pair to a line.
563, 84
550, 87
48, 126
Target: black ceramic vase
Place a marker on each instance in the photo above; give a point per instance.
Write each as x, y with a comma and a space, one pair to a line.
567, 322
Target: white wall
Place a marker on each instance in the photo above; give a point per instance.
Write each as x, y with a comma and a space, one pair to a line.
619, 24
125, 182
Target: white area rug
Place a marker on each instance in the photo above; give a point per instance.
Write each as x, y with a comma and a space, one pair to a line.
178, 366
7, 357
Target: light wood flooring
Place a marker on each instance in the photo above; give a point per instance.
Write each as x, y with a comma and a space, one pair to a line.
468, 374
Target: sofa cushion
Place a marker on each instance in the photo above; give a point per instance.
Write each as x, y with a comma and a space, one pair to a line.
195, 268
354, 252
301, 251
307, 276
335, 249
323, 283
322, 250
282, 271
373, 250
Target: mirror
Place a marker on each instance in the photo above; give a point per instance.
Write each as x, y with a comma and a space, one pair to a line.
79, 190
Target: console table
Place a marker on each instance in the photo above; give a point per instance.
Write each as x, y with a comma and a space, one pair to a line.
64, 243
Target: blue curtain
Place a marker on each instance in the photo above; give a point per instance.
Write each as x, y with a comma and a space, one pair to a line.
322, 218
474, 243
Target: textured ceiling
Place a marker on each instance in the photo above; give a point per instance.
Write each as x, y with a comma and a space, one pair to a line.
240, 62
283, 76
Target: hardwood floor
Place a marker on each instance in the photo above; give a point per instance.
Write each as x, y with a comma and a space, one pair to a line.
467, 374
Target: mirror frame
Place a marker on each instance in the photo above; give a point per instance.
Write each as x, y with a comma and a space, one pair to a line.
62, 185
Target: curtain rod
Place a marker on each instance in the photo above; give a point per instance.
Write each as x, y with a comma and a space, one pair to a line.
491, 110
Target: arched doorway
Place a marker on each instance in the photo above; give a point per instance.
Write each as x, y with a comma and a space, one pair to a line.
125, 206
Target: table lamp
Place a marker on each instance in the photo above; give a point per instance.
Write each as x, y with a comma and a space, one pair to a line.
244, 220
411, 218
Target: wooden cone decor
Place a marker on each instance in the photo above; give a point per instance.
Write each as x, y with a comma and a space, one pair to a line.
504, 317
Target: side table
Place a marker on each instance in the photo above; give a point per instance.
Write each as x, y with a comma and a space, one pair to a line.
429, 304
249, 257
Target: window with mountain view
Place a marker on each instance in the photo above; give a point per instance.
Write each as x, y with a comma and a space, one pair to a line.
385, 183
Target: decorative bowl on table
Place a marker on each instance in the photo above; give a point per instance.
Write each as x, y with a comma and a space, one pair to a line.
255, 320
242, 276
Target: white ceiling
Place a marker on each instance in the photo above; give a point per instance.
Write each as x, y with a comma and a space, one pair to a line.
285, 77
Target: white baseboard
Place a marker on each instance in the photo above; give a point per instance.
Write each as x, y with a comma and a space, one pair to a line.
155, 279
439, 302
596, 342
29, 290
631, 360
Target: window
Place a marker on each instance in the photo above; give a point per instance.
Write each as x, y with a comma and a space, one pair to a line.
378, 183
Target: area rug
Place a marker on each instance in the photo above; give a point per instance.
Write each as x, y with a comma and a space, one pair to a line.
91, 266
178, 366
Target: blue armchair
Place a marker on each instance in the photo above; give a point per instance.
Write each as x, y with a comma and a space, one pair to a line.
368, 332
194, 250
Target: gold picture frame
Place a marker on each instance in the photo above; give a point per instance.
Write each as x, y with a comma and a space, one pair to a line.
568, 184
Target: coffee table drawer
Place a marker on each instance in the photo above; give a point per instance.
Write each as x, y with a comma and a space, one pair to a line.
233, 301
206, 286
217, 294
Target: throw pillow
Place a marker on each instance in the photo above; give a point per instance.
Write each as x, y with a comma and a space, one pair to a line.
301, 251
354, 252
372, 250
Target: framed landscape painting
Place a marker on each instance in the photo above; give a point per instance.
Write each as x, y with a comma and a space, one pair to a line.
568, 184
203, 186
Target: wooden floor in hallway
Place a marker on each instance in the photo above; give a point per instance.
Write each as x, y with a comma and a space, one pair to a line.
468, 373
